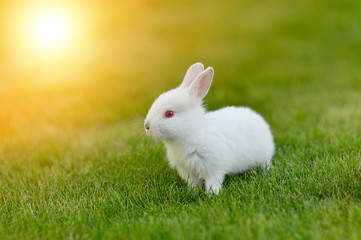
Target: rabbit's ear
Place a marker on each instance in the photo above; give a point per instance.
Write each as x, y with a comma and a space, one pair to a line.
203, 82
192, 73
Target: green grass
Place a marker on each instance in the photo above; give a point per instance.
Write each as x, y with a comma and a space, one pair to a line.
75, 164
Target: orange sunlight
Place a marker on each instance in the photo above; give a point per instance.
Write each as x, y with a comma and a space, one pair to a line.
50, 29
43, 40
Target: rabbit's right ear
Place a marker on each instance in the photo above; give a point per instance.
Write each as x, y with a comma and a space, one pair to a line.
203, 82
192, 73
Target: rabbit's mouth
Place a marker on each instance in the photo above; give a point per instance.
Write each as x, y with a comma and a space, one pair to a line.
156, 133
153, 133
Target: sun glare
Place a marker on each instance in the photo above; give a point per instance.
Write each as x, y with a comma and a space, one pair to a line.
46, 41
50, 29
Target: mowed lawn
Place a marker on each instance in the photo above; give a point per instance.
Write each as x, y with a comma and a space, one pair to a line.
75, 162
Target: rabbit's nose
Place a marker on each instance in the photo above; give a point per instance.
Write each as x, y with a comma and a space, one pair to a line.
146, 126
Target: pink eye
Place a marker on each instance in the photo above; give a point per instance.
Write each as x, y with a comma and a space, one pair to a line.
168, 114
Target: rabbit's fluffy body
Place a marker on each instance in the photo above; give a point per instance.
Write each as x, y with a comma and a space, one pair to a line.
206, 146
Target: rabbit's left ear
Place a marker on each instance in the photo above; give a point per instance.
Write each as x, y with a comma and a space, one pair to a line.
200, 87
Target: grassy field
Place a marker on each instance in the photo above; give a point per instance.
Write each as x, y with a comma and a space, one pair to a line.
75, 162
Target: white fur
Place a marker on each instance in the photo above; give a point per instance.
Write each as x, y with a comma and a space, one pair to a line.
206, 146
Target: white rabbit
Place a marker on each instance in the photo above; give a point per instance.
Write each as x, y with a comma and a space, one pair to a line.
206, 146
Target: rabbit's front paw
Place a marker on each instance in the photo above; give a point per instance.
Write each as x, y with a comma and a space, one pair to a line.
214, 185
194, 183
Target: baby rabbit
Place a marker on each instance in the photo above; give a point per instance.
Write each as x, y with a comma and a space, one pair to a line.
206, 146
